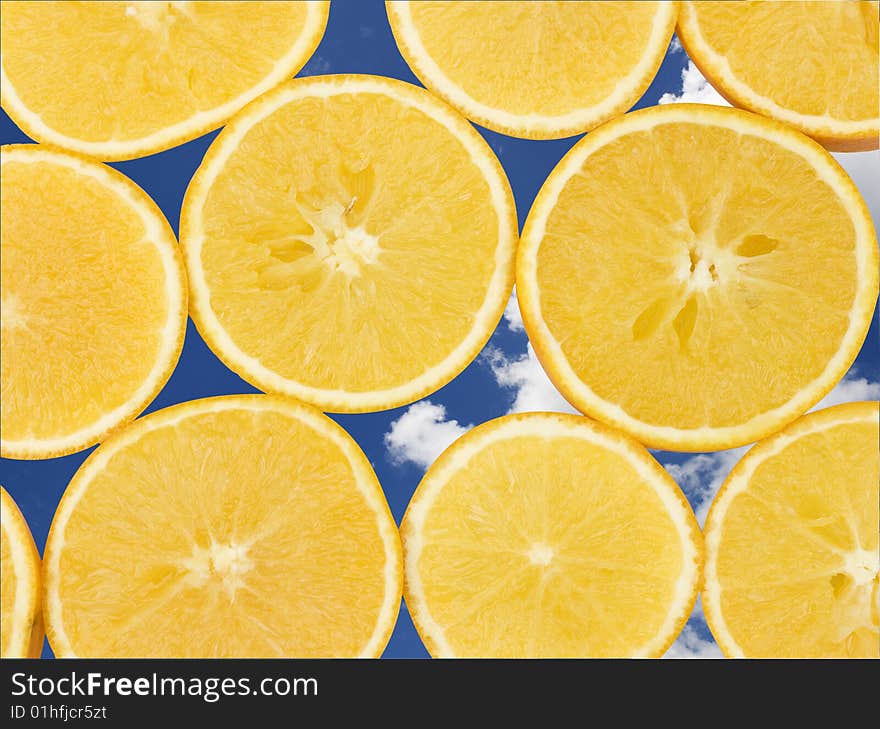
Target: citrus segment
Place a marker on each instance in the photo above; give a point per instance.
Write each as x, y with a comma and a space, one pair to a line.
132, 78
93, 301
676, 265
810, 64
379, 267
21, 618
538, 69
793, 561
244, 526
546, 535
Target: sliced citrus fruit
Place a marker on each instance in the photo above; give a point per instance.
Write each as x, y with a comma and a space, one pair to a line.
350, 242
810, 64
93, 301
540, 70
21, 616
549, 535
698, 276
792, 554
132, 78
242, 526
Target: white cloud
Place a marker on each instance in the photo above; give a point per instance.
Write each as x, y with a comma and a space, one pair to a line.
512, 314
317, 66
524, 375
864, 169
694, 89
423, 431
700, 476
851, 389
675, 45
691, 643
421, 434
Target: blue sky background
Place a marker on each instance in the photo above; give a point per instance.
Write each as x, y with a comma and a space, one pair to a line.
400, 442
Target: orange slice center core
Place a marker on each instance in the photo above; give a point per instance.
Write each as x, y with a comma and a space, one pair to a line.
222, 566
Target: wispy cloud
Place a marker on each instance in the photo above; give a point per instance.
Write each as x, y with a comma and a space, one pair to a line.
675, 45
316, 66
421, 434
695, 641
700, 476
851, 388
864, 169
524, 376
694, 89
512, 314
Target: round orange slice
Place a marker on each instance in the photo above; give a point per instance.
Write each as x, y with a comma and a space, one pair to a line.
242, 526
93, 307
546, 535
697, 276
812, 65
793, 561
350, 242
21, 616
127, 79
539, 70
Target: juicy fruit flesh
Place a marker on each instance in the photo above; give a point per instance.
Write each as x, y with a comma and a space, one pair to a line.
161, 62
830, 47
7, 593
21, 632
744, 249
800, 548
84, 301
193, 541
563, 550
353, 240
467, 40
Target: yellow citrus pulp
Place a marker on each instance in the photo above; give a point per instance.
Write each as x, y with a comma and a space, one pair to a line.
93, 301
793, 561
21, 618
350, 242
117, 80
697, 276
535, 69
547, 535
810, 64
242, 526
